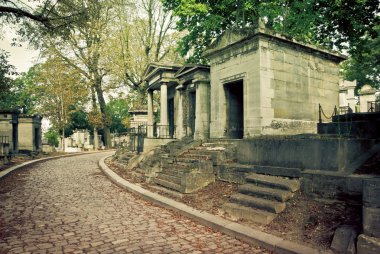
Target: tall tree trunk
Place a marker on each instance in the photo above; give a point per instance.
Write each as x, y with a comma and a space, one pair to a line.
94, 106
102, 105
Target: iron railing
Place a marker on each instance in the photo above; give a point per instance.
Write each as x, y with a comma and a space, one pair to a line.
373, 106
342, 110
133, 139
163, 131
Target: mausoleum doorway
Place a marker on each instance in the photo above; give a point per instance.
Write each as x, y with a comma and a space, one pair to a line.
234, 109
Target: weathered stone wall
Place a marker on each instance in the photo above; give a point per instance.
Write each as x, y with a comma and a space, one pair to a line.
294, 80
26, 133
332, 154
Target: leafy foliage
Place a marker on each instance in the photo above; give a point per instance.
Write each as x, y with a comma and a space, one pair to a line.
118, 108
47, 15
336, 24
6, 82
364, 64
52, 137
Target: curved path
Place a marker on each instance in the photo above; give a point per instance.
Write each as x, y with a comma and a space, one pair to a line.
67, 205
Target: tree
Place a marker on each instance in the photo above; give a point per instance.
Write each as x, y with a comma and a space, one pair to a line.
82, 49
46, 13
118, 110
58, 90
364, 63
141, 38
336, 24
6, 82
52, 137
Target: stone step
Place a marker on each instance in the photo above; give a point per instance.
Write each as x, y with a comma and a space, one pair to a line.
205, 149
265, 192
266, 170
278, 171
203, 157
167, 184
217, 156
243, 212
258, 203
170, 178
220, 144
273, 181
186, 161
173, 171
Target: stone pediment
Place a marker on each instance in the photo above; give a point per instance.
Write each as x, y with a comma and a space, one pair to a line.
190, 70
154, 68
229, 37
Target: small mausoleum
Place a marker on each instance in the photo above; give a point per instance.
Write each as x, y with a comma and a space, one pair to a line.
29, 133
8, 131
138, 117
265, 84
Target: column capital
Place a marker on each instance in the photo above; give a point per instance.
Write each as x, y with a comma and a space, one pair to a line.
197, 81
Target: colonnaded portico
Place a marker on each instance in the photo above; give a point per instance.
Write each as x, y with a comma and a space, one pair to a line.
184, 100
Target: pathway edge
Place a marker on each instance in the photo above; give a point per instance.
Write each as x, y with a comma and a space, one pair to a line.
7, 171
244, 233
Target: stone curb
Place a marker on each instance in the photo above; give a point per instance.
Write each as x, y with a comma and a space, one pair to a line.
244, 233
7, 171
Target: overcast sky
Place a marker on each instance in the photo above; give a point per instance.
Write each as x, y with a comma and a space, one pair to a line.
21, 57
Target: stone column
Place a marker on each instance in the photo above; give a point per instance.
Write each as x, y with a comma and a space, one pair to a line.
150, 114
164, 104
179, 119
202, 110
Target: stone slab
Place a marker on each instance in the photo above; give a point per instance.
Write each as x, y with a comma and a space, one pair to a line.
368, 245
371, 192
371, 221
344, 239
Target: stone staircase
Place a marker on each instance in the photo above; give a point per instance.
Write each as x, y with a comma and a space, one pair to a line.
185, 174
263, 192
262, 197
193, 167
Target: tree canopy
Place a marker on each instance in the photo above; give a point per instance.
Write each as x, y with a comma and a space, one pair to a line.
349, 26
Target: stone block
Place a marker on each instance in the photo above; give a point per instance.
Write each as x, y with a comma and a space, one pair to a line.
371, 193
368, 245
344, 239
371, 221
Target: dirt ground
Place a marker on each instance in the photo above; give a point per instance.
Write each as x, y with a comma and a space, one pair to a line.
305, 220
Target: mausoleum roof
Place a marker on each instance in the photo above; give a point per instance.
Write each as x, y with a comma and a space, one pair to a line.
233, 37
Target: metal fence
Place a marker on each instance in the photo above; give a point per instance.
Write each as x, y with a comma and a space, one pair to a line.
133, 139
163, 131
373, 106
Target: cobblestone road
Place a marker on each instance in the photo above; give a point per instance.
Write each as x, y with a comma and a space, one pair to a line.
68, 206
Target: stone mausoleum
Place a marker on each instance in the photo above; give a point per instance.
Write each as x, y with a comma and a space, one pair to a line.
22, 132
258, 83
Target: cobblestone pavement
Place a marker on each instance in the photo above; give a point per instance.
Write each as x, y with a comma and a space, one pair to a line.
68, 206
